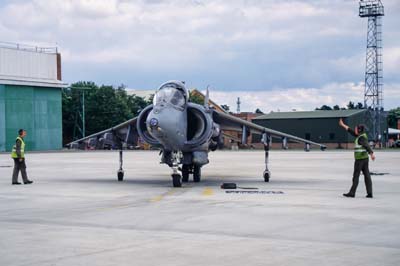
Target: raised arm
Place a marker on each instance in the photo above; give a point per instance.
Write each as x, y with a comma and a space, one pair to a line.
343, 125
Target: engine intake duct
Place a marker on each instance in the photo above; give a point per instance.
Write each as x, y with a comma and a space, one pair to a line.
142, 128
199, 126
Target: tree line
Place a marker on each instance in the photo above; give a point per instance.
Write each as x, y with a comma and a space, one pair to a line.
105, 106
350, 106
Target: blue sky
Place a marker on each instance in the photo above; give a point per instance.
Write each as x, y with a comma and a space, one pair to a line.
275, 55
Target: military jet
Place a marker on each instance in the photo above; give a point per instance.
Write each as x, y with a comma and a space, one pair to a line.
185, 133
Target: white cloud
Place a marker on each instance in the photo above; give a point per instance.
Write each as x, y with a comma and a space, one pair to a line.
303, 99
155, 30
231, 44
391, 61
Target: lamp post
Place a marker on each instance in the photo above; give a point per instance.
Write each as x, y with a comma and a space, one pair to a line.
80, 113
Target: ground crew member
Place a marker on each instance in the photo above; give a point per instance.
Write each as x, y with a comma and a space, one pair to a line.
361, 151
18, 154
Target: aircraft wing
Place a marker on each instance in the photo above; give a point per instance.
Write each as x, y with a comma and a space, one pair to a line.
119, 136
232, 123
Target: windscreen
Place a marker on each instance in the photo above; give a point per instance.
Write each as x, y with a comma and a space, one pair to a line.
169, 94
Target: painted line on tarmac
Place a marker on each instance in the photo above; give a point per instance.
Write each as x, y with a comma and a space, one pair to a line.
208, 191
253, 192
162, 196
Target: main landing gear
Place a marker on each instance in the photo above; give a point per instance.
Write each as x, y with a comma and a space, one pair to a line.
188, 169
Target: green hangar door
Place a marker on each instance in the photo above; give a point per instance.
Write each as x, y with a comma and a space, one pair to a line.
30, 97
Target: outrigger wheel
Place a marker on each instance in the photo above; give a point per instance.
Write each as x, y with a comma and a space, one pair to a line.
120, 175
176, 180
267, 175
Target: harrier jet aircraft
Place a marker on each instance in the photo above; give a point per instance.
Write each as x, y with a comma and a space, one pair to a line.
184, 132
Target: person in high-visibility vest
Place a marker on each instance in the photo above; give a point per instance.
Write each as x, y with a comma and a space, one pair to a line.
18, 155
362, 151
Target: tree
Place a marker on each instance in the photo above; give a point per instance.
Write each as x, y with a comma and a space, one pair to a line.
71, 104
352, 105
393, 116
324, 107
258, 111
105, 107
195, 98
336, 107
137, 104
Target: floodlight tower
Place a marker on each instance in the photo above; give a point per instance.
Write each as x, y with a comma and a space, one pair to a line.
373, 94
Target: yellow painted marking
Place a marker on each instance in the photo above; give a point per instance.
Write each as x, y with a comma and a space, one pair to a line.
171, 192
208, 192
162, 196
156, 199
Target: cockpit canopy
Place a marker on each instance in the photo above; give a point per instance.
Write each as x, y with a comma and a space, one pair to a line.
173, 93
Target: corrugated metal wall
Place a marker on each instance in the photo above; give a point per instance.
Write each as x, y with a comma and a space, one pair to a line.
36, 109
321, 130
2, 119
16, 63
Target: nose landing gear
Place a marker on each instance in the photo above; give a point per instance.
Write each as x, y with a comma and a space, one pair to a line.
176, 177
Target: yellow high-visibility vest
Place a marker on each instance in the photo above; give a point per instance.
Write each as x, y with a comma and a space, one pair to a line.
14, 149
359, 151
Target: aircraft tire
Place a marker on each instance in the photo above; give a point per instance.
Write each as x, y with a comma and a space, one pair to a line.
176, 180
120, 176
196, 173
185, 173
266, 176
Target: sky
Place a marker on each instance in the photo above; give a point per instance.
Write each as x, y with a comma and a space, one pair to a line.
276, 55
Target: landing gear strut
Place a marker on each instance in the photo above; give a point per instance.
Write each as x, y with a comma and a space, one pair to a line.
188, 169
196, 173
266, 139
120, 173
176, 177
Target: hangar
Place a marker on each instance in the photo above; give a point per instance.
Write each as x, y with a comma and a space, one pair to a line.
30, 96
320, 126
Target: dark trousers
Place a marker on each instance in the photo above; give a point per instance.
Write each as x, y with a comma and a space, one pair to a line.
19, 166
361, 166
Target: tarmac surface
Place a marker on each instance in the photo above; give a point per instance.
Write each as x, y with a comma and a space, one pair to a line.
76, 213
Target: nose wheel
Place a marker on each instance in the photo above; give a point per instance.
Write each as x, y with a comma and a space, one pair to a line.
176, 177
176, 180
